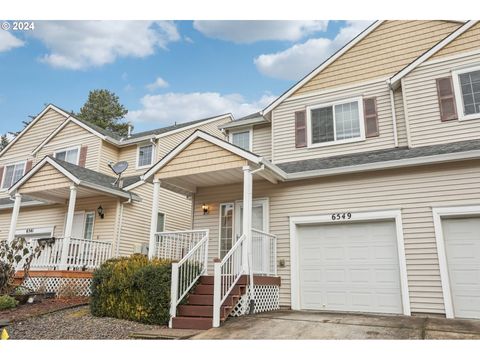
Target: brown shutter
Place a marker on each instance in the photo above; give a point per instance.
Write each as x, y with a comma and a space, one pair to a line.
371, 117
300, 129
1, 174
446, 99
28, 166
83, 156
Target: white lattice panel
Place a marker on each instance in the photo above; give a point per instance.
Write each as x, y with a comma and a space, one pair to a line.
267, 298
61, 286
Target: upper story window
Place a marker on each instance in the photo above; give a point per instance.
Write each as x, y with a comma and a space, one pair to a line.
145, 155
70, 155
335, 123
242, 139
466, 84
13, 173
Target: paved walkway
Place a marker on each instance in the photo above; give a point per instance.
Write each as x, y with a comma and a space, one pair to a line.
320, 325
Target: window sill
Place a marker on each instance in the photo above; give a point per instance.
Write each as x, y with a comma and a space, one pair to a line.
469, 117
143, 167
333, 143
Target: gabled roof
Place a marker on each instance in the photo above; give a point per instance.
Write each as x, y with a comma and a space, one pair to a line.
394, 80
199, 134
322, 66
79, 176
252, 119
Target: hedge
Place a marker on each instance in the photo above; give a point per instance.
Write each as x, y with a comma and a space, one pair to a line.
132, 288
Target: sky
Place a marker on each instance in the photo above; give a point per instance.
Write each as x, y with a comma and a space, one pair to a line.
163, 71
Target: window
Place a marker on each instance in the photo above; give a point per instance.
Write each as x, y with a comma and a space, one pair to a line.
467, 92
226, 228
338, 122
145, 155
161, 222
12, 174
69, 155
241, 139
88, 230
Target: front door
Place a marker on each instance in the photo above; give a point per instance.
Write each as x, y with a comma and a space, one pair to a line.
78, 225
259, 216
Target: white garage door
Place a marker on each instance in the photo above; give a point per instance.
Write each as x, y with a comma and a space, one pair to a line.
462, 247
349, 267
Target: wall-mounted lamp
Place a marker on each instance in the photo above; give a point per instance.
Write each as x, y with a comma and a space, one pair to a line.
101, 212
205, 209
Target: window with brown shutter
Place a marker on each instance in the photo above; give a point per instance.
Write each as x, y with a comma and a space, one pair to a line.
83, 156
446, 99
1, 174
300, 129
28, 166
371, 117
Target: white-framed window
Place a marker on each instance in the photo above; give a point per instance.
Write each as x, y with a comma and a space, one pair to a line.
70, 155
160, 222
466, 84
336, 122
242, 139
226, 228
12, 173
145, 155
88, 228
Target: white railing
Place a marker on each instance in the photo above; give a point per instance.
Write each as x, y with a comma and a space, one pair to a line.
264, 253
83, 254
226, 275
187, 271
176, 244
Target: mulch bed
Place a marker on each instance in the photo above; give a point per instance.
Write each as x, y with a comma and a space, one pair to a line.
46, 306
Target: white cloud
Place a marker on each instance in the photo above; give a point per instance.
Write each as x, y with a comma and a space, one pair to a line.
83, 44
157, 84
8, 41
165, 109
245, 31
300, 59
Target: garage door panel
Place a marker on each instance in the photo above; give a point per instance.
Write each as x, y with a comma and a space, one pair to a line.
349, 267
462, 247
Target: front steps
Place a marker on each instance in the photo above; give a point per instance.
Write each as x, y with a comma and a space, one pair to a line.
197, 313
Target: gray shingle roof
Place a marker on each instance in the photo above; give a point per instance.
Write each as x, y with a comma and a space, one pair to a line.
378, 156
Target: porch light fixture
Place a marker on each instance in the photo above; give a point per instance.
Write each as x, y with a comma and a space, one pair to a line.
205, 209
101, 212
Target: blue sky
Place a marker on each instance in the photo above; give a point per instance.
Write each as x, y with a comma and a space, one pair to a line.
162, 71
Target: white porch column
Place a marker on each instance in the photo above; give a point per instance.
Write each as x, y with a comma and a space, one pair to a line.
247, 227
14, 219
68, 227
154, 219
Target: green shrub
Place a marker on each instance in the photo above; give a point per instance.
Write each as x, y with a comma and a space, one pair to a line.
132, 288
7, 302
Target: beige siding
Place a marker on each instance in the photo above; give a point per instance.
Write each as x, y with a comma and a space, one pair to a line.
400, 115
70, 136
178, 210
426, 128
468, 41
262, 141
284, 124
46, 178
414, 191
108, 153
129, 154
199, 157
386, 50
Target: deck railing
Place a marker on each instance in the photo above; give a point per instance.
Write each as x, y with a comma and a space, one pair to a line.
176, 244
187, 271
264, 253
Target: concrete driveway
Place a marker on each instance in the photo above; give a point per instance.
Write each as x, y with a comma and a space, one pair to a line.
322, 325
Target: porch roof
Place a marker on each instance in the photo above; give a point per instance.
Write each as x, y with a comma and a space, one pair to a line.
91, 182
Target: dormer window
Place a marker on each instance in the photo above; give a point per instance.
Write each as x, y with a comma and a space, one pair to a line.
145, 156
70, 155
242, 139
335, 123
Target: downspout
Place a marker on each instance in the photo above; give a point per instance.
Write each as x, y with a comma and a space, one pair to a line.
120, 226
405, 111
394, 115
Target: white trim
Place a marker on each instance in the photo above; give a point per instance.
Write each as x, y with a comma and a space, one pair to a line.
459, 94
67, 150
93, 223
394, 117
245, 129
332, 104
356, 216
438, 214
219, 252
14, 164
320, 68
152, 160
405, 114
39, 230
406, 70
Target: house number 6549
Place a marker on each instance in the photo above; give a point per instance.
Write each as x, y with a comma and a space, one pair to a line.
341, 216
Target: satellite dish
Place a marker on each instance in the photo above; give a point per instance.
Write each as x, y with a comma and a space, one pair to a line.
118, 168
